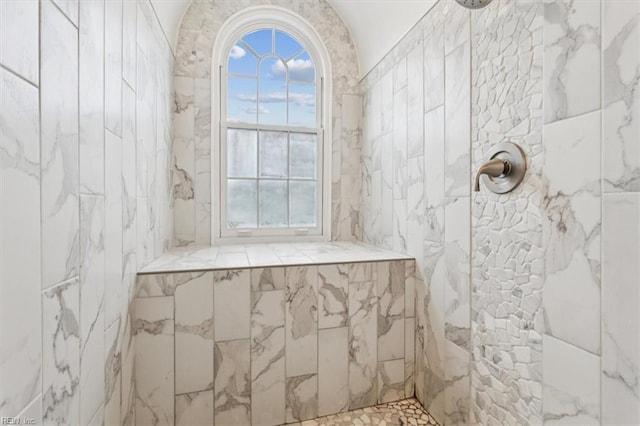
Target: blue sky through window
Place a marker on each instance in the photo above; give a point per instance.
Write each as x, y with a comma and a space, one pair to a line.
261, 88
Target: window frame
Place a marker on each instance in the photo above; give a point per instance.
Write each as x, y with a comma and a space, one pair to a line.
243, 22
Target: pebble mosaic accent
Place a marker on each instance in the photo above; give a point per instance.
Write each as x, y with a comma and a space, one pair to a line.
398, 413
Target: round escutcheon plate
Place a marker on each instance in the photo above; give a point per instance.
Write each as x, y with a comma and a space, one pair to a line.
474, 4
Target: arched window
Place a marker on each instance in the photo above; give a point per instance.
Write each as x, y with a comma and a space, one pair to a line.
273, 157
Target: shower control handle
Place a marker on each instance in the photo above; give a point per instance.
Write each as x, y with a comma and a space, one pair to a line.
495, 168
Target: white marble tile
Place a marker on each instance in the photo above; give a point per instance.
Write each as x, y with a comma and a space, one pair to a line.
92, 289
127, 390
61, 354
194, 409
154, 361
113, 236
386, 102
457, 384
457, 28
69, 8
232, 305
33, 411
113, 66
620, 307
415, 206
362, 344
571, 393
20, 275
409, 357
399, 147
301, 320
232, 382
411, 278
458, 121
390, 381
621, 95
129, 45
333, 289
129, 231
457, 295
433, 71
572, 232
399, 237
194, 332
434, 167
302, 398
415, 102
112, 373
267, 357
91, 97
19, 38
333, 370
571, 58
390, 290
267, 279
59, 146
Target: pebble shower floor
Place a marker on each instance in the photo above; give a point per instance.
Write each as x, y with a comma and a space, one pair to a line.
398, 413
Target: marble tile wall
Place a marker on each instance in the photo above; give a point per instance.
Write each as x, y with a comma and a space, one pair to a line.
274, 345
419, 203
193, 98
561, 79
70, 245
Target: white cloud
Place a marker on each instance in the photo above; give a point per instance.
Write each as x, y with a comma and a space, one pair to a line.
252, 110
301, 99
237, 52
299, 70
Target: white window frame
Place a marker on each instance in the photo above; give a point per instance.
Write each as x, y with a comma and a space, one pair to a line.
243, 22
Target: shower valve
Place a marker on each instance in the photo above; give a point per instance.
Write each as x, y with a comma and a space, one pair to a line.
503, 170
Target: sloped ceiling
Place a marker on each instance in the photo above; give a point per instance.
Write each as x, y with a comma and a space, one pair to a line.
375, 25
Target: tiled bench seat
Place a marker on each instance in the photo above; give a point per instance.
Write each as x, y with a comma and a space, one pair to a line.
272, 334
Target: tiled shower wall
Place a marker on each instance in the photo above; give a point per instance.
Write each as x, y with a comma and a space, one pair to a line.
553, 291
269, 346
84, 158
192, 116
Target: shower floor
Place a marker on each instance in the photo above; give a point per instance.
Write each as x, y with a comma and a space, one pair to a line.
398, 413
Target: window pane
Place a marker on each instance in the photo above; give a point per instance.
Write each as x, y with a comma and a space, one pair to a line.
260, 41
286, 46
242, 61
304, 151
242, 152
302, 105
242, 106
302, 202
273, 203
273, 154
272, 105
242, 201
301, 68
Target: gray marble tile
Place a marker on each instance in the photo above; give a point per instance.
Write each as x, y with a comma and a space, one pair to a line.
194, 409
333, 370
194, 333
154, 361
232, 305
621, 95
232, 382
390, 381
61, 354
267, 357
362, 344
59, 146
571, 58
19, 38
620, 304
21, 350
301, 316
333, 283
302, 397
571, 393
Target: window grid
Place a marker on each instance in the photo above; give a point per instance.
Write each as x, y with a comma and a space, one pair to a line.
259, 127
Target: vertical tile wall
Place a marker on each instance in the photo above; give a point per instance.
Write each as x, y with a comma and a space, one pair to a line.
269, 346
84, 163
554, 264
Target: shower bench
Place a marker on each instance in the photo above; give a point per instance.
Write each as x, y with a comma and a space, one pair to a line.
272, 333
